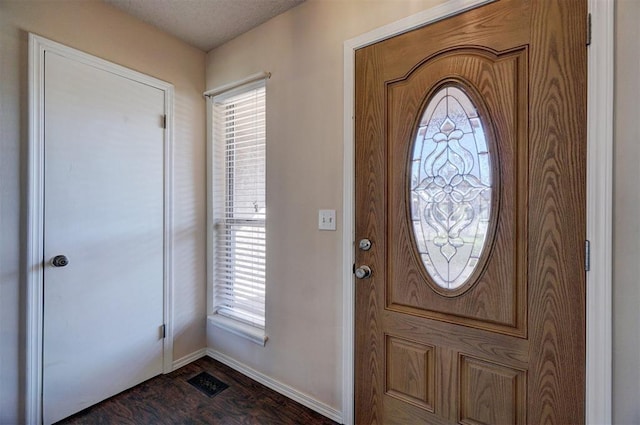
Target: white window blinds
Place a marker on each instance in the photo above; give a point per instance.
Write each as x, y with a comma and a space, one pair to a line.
239, 210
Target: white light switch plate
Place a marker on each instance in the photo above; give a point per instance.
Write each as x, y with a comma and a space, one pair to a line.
327, 219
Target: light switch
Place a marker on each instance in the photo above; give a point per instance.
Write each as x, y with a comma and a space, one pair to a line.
327, 219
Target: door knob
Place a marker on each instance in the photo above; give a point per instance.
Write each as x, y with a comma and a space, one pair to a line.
59, 261
363, 272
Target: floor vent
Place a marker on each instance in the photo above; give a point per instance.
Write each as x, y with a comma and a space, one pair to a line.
208, 384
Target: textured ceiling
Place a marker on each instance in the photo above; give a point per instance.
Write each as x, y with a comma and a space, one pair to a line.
205, 24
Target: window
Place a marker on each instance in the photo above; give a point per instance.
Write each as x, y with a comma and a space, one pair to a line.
451, 188
238, 210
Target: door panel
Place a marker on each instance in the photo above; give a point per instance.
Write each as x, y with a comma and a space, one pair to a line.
411, 372
483, 384
507, 345
104, 150
493, 298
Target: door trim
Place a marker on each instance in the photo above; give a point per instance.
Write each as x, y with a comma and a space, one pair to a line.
599, 199
599, 212
34, 272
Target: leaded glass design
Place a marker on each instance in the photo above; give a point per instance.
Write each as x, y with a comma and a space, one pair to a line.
451, 187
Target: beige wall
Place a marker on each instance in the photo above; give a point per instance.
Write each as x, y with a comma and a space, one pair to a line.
626, 216
303, 49
103, 31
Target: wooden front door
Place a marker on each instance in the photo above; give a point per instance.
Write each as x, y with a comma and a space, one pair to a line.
470, 185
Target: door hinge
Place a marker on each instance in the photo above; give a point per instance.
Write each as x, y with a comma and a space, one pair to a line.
164, 331
589, 29
164, 121
587, 255
353, 270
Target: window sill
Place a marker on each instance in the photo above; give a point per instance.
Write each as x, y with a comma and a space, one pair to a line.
253, 334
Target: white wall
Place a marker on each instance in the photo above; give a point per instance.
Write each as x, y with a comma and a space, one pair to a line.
103, 31
626, 220
303, 49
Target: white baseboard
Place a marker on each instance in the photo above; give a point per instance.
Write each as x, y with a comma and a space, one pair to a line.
277, 386
189, 358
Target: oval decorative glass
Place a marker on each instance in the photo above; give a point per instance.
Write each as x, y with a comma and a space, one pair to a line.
451, 187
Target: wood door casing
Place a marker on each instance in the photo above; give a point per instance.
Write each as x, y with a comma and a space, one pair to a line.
510, 346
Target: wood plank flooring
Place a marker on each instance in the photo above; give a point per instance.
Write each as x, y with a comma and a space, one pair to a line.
169, 399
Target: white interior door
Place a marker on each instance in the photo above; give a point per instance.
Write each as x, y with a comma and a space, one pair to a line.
103, 210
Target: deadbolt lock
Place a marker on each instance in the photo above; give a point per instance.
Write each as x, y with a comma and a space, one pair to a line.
364, 244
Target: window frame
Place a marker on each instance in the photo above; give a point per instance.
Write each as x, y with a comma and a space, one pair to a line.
235, 325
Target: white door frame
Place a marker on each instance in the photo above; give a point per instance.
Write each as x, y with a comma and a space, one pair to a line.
35, 225
599, 199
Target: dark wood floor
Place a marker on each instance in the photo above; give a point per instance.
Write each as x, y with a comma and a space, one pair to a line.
169, 399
